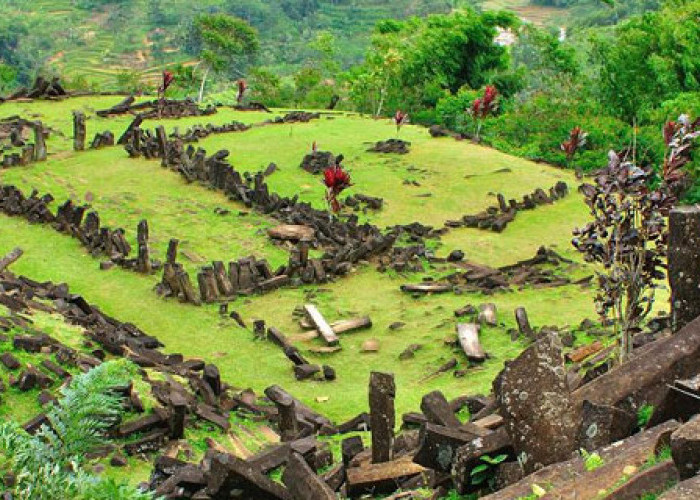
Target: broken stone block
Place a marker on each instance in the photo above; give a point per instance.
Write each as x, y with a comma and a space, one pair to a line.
538, 413
685, 448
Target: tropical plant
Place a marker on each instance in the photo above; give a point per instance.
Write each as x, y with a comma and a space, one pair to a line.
628, 235
485, 471
49, 464
577, 140
483, 107
336, 180
399, 119
591, 460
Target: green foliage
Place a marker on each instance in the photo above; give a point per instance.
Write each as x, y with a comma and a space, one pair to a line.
591, 461
129, 82
485, 471
8, 77
644, 415
413, 63
225, 43
649, 59
48, 464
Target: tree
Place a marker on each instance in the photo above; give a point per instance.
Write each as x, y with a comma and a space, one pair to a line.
650, 58
413, 63
628, 234
225, 44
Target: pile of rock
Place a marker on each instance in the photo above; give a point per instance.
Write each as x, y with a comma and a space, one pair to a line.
14, 132
363, 202
318, 161
197, 132
157, 108
41, 89
395, 146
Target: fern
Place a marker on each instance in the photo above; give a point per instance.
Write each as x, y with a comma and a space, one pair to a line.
48, 464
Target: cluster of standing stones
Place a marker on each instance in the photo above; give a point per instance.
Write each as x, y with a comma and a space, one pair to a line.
85, 226
13, 130
538, 416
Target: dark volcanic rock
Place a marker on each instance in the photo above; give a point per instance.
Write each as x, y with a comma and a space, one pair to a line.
685, 448
534, 398
396, 146
317, 161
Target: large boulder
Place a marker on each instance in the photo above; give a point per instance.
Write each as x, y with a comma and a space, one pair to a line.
535, 402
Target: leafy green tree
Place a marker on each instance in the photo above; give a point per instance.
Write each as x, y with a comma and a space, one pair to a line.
413, 63
649, 59
225, 45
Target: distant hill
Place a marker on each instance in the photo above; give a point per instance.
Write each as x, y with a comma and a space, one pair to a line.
99, 39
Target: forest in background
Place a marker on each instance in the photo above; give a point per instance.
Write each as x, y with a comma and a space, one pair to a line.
622, 70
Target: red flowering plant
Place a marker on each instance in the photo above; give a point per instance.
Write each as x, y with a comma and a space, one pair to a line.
483, 107
242, 87
168, 78
400, 118
336, 180
577, 140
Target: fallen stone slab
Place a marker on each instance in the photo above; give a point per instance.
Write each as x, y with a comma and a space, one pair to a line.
649, 482
685, 490
437, 410
570, 479
292, 232
228, 474
380, 478
468, 336
438, 446
303, 483
468, 456
583, 352
10, 362
646, 378
685, 448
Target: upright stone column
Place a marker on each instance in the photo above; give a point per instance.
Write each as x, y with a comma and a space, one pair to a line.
79, 131
684, 265
39, 142
382, 391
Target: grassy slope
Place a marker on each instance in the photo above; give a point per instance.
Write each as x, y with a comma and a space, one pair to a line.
246, 362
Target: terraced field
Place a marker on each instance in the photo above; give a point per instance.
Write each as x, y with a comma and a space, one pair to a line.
455, 178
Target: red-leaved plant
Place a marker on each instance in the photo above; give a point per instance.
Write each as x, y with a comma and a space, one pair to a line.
242, 87
399, 119
576, 142
628, 234
483, 107
336, 180
168, 78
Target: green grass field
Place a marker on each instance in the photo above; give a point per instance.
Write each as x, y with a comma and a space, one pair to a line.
461, 177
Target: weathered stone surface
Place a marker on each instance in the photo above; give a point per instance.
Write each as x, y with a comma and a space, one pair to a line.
468, 456
684, 264
646, 377
291, 232
602, 425
438, 446
380, 478
437, 410
534, 398
303, 483
382, 392
570, 479
685, 490
685, 448
648, 482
